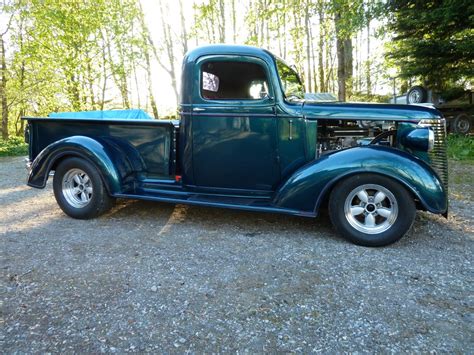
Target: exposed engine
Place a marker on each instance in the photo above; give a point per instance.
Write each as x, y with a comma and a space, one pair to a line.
340, 134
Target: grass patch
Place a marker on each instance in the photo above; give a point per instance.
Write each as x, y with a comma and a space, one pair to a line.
14, 146
461, 147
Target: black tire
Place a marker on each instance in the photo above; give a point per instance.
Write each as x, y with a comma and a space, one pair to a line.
417, 95
462, 124
85, 200
351, 226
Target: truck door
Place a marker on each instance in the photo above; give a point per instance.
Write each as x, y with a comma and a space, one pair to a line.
234, 125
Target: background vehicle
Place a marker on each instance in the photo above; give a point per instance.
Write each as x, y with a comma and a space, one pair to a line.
458, 110
247, 139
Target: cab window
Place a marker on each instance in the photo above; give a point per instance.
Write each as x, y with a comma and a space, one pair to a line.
233, 80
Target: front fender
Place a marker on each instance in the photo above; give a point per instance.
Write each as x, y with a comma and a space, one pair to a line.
79, 146
307, 187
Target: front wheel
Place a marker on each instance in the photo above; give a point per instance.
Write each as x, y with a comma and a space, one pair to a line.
79, 189
371, 210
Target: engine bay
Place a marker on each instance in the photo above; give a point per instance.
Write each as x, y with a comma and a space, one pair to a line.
335, 135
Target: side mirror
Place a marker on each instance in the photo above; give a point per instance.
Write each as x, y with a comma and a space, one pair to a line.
265, 96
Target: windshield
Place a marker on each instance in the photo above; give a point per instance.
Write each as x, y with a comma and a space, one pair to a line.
292, 86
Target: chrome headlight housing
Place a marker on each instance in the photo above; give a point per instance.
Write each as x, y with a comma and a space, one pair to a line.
431, 136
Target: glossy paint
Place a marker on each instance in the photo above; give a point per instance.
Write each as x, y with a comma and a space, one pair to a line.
76, 146
371, 112
258, 155
135, 149
234, 136
307, 187
416, 139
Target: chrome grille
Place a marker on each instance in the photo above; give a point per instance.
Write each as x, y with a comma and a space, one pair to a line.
438, 155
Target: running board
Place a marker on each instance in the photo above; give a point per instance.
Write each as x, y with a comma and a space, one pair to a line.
221, 201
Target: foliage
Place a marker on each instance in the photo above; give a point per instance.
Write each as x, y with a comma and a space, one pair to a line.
70, 56
461, 147
14, 146
433, 40
363, 97
97, 54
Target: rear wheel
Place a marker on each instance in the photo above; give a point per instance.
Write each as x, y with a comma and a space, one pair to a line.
371, 210
79, 189
462, 124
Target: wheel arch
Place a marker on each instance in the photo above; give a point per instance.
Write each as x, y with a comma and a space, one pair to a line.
91, 150
323, 198
309, 187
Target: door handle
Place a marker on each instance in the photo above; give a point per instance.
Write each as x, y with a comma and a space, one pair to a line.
198, 109
290, 135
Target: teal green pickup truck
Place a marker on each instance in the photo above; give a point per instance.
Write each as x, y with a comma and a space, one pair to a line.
247, 139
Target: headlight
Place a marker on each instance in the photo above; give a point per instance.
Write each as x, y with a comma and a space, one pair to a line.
419, 138
427, 123
431, 139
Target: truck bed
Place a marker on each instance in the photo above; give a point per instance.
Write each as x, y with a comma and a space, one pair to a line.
153, 142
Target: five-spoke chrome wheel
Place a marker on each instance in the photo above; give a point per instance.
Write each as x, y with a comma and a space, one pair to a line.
77, 188
80, 190
371, 209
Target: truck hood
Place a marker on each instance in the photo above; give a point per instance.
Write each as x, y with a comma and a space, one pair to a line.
362, 111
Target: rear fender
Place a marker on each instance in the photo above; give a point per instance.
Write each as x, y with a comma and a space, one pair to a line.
111, 162
306, 189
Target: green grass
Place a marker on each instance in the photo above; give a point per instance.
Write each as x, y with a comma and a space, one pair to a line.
461, 147
15, 146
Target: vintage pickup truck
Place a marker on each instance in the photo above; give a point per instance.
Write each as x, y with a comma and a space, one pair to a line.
247, 139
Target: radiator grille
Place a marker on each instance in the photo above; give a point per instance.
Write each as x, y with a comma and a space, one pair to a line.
438, 155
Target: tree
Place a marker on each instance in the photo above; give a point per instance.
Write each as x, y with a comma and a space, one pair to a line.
348, 18
433, 40
147, 43
4, 77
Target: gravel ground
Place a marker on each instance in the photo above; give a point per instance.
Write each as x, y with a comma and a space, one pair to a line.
157, 277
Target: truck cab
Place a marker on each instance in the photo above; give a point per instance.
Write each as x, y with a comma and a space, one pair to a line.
248, 139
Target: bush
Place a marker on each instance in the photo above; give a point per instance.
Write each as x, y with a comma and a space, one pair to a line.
13, 147
460, 147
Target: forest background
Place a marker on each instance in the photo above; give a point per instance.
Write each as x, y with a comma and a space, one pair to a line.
75, 55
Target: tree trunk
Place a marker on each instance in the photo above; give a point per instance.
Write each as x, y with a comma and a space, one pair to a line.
90, 81
341, 61
309, 81
21, 130
147, 44
184, 34
104, 72
348, 66
284, 30
322, 86
74, 92
3, 90
170, 51
341, 66
150, 89
234, 22
367, 64
222, 21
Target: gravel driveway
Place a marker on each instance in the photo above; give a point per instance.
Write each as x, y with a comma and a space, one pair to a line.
158, 277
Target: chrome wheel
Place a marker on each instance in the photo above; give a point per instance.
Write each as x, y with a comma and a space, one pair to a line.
371, 209
414, 97
77, 188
